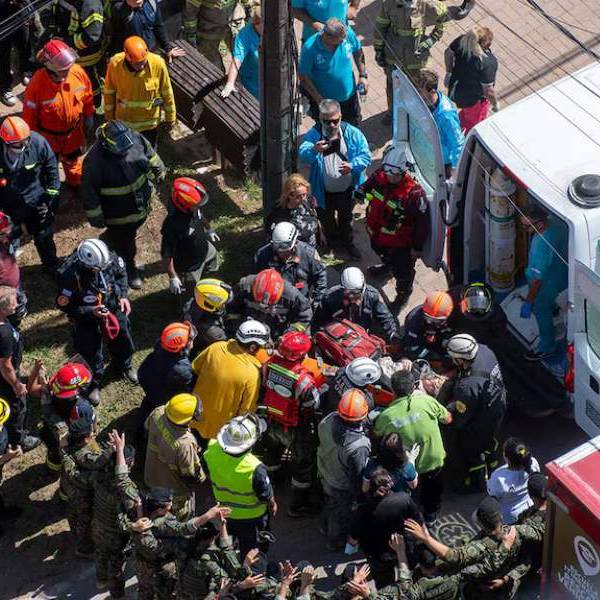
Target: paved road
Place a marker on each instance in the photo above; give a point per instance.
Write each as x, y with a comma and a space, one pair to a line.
532, 55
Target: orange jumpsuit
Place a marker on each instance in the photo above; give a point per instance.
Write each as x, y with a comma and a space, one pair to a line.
57, 111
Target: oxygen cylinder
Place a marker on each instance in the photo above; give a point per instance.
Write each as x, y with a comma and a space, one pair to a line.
500, 230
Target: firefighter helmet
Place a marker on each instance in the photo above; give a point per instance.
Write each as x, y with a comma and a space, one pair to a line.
4, 411
284, 236
211, 294
115, 137
353, 406
176, 336
462, 345
14, 130
362, 371
188, 194
253, 332
353, 280
57, 56
268, 287
69, 379
136, 49
294, 345
240, 434
181, 409
476, 300
395, 161
438, 306
94, 254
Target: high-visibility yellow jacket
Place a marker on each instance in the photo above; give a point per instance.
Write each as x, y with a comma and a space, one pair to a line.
136, 97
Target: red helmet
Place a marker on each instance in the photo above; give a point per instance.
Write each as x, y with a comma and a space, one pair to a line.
176, 336
188, 194
268, 287
57, 56
5, 223
68, 380
14, 129
294, 345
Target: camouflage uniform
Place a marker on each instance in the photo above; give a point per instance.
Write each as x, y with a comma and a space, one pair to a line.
79, 466
401, 29
444, 587
113, 508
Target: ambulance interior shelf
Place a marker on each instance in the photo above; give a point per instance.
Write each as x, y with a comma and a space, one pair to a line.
497, 248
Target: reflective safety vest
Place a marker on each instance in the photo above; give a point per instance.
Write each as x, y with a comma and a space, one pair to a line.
231, 479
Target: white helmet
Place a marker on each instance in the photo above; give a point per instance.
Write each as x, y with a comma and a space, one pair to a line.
284, 236
362, 371
395, 160
353, 280
462, 345
240, 434
252, 331
94, 254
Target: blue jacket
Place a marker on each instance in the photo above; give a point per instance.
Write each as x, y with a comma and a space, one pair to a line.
451, 134
358, 154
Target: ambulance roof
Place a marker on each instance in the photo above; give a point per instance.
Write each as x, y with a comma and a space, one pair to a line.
579, 472
550, 137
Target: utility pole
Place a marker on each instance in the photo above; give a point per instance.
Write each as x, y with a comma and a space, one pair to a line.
276, 114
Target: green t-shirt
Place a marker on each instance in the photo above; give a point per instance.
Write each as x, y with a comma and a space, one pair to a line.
416, 421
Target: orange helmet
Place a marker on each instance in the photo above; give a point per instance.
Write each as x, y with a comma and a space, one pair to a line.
135, 49
176, 336
57, 56
67, 381
14, 129
353, 406
438, 306
188, 194
268, 287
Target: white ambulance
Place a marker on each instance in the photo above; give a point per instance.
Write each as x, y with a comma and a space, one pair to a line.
530, 152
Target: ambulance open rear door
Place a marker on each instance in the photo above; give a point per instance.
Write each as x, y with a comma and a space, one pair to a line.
416, 131
587, 349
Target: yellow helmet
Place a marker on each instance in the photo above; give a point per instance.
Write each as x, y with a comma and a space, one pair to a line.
211, 294
4, 411
183, 408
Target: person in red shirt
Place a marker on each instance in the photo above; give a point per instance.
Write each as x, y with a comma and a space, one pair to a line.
397, 219
10, 273
59, 104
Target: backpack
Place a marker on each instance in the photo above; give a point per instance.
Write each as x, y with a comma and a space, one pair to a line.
340, 342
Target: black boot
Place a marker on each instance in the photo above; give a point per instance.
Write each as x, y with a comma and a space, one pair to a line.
44, 243
300, 505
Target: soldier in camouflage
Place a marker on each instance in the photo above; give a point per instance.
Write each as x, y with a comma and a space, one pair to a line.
535, 516
82, 459
114, 508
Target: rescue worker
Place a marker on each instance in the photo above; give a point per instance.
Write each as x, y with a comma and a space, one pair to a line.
172, 459
537, 488
426, 328
358, 374
206, 23
291, 396
270, 299
137, 87
80, 24
81, 459
114, 507
93, 294
402, 39
118, 176
206, 312
546, 273
29, 186
187, 239
229, 377
63, 402
477, 312
358, 302
167, 370
10, 274
491, 563
397, 219
58, 104
298, 263
478, 404
240, 480
343, 452
7, 453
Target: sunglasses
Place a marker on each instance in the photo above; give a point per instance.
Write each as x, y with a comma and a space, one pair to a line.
331, 121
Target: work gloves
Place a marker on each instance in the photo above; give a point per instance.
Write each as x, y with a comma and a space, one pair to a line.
213, 236
413, 454
424, 46
175, 286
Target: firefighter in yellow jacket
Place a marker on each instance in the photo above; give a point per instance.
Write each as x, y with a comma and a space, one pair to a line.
137, 87
401, 36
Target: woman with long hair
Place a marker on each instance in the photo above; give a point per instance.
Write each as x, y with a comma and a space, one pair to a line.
508, 483
471, 69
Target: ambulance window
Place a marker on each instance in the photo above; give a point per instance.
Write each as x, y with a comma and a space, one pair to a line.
422, 151
592, 319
